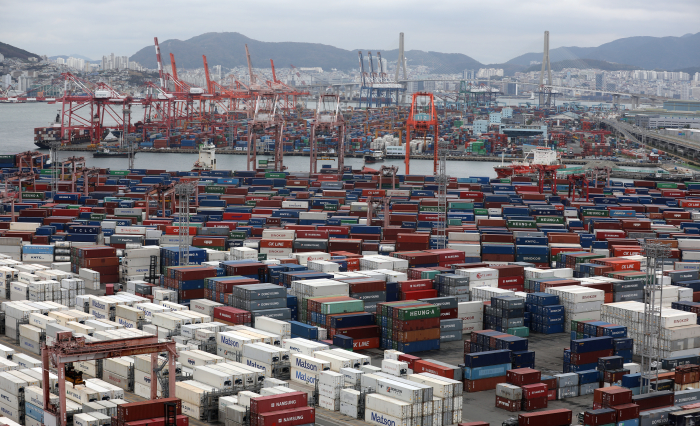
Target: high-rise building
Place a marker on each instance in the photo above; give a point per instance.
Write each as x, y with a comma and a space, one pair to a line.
6, 80
685, 92
469, 74
24, 83
600, 81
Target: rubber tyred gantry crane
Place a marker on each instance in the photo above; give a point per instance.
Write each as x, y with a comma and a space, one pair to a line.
68, 349
328, 117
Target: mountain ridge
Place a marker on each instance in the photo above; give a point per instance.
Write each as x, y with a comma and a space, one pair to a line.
10, 51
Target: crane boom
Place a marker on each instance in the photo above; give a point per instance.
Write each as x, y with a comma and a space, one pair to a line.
250, 67
174, 67
274, 76
160, 64
206, 73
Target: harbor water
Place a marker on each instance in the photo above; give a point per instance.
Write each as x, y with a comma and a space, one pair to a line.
17, 123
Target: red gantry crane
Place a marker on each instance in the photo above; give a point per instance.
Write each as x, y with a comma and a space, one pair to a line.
327, 119
421, 118
68, 349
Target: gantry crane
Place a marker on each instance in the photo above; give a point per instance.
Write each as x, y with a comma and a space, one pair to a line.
162, 191
266, 115
328, 117
580, 182
68, 349
87, 172
422, 117
382, 197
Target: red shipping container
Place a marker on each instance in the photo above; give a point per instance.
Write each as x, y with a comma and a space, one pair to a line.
599, 419
295, 416
423, 366
266, 404
523, 376
551, 395
613, 395
364, 332
510, 281
558, 417
483, 384
535, 390
507, 404
159, 421
413, 285
365, 343
145, 409
626, 412
410, 359
535, 403
474, 424
419, 294
589, 357
232, 315
448, 313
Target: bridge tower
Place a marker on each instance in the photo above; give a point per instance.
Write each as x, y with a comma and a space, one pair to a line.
546, 94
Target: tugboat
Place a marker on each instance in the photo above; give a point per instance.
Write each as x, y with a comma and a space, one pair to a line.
374, 157
207, 157
106, 153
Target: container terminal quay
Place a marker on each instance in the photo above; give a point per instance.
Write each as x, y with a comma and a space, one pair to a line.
560, 288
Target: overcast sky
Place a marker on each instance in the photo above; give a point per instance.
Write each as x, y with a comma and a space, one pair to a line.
490, 31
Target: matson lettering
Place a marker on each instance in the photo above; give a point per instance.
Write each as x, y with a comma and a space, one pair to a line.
379, 418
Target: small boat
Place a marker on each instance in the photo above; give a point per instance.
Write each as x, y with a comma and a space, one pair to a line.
106, 153
374, 157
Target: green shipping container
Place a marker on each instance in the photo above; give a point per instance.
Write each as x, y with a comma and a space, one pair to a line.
119, 172
550, 219
33, 195
598, 213
521, 224
275, 175
429, 275
428, 209
419, 312
666, 185
251, 203
98, 216
330, 207
519, 331
262, 256
215, 189
481, 212
461, 206
342, 307
237, 235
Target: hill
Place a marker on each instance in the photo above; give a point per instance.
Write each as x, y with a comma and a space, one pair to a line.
667, 53
583, 64
9, 51
228, 50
